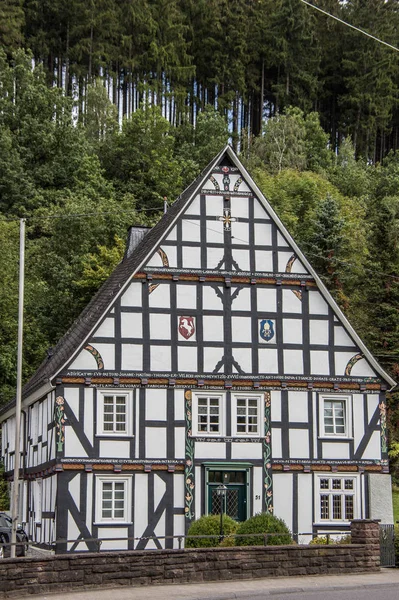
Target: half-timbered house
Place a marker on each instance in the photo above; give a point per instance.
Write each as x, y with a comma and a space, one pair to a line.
212, 354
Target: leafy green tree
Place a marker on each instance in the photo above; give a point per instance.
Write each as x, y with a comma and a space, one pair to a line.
4, 492
11, 24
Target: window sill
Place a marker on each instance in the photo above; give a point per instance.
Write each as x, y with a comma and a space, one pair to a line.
336, 437
113, 523
115, 435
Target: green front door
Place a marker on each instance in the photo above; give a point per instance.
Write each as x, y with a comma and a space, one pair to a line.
235, 503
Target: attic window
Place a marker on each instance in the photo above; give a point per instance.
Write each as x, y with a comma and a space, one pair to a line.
114, 413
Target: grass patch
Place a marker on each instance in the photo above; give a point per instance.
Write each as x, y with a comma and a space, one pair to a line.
395, 499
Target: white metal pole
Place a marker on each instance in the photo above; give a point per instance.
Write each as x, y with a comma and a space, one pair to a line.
15, 493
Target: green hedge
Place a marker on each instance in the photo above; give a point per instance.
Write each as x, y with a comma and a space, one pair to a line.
209, 525
263, 523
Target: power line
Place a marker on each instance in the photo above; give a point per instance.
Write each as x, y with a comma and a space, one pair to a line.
80, 215
373, 37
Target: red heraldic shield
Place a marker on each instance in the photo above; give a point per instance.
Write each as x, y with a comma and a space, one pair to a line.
186, 327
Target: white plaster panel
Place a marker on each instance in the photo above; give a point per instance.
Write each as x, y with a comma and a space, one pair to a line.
263, 234
283, 258
341, 338
191, 257
373, 449
214, 232
267, 299
132, 357
159, 490
292, 331
159, 326
191, 230
72, 398
133, 295
264, 261
380, 496
73, 533
155, 442
281, 241
194, 208
131, 325
187, 358
140, 503
186, 296
267, 360
214, 257
160, 297
318, 332
110, 532
240, 206
243, 356
319, 363
293, 362
171, 253
114, 449
89, 501
282, 497
89, 414
159, 529
179, 405
298, 407
160, 358
73, 447
257, 489
317, 304
358, 419
213, 327
241, 329
178, 490
362, 369
155, 404
243, 300
180, 443
107, 352
372, 404
336, 451
83, 362
74, 489
259, 210
243, 451
277, 451
106, 329
172, 235
241, 257
210, 299
239, 232
299, 443
210, 450
291, 303
276, 405
211, 358
214, 206
305, 502
178, 528
298, 267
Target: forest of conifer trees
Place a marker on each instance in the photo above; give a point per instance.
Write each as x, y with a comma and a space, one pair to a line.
109, 106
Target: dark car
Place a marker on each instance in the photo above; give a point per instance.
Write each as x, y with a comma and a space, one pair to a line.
5, 537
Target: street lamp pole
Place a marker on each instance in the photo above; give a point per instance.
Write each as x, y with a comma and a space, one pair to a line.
221, 491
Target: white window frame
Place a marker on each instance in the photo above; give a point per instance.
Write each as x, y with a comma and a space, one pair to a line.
222, 414
340, 492
234, 415
129, 413
347, 415
127, 509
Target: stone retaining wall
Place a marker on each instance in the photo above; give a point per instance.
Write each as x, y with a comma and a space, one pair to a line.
109, 569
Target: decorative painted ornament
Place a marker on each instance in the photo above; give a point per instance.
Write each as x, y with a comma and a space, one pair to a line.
226, 179
266, 329
186, 327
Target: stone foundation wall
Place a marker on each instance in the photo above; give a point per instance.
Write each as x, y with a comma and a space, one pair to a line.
109, 569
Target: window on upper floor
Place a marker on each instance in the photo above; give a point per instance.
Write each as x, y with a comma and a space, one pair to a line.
336, 498
114, 413
113, 499
208, 414
335, 416
246, 415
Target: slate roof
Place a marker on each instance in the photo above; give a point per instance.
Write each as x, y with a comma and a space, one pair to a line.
82, 327
88, 318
